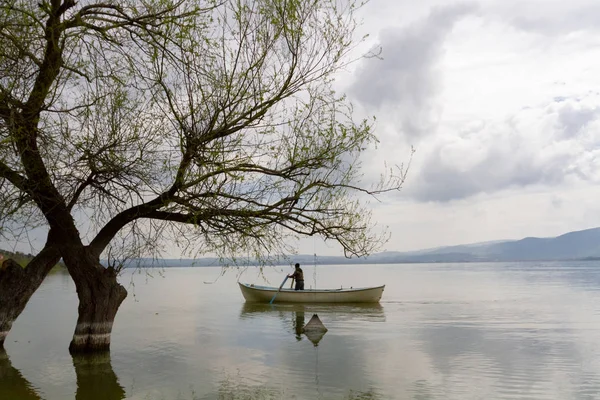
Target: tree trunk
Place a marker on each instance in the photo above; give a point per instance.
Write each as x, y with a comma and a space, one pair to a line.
100, 296
17, 285
96, 379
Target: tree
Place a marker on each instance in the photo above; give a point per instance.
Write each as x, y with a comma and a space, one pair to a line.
18, 284
124, 124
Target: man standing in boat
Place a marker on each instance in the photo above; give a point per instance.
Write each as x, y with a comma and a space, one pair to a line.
298, 275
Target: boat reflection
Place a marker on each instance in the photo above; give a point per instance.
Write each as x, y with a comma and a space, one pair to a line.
294, 315
360, 311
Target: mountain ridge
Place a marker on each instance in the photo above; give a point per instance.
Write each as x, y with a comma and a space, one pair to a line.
575, 245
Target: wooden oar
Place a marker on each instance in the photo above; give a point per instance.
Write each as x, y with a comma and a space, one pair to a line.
275, 295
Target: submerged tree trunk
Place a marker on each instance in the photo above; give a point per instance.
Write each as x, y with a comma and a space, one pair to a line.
100, 296
17, 285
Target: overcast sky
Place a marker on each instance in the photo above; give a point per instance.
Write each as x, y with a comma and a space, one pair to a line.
501, 100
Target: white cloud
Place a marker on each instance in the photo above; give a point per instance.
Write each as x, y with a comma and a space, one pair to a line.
548, 145
548, 17
501, 99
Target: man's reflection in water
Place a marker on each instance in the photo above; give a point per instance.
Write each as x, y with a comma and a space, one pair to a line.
96, 379
299, 324
12, 384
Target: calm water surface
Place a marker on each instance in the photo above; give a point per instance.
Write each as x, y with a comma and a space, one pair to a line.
442, 331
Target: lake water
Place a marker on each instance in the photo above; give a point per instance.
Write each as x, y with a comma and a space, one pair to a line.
442, 331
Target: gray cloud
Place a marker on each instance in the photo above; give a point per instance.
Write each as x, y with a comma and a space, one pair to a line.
557, 17
499, 169
406, 82
573, 120
543, 146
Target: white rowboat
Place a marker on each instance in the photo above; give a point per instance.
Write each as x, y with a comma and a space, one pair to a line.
264, 294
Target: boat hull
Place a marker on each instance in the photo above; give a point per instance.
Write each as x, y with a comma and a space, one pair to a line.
264, 294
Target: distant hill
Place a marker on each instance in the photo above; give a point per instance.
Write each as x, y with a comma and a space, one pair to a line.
578, 245
23, 259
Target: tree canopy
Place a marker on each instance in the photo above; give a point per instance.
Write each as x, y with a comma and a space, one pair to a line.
213, 123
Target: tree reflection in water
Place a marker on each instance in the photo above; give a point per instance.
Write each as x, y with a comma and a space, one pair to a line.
96, 378
13, 385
